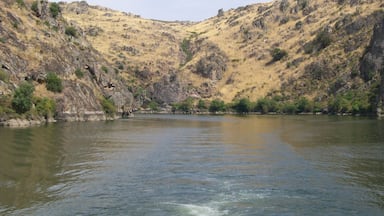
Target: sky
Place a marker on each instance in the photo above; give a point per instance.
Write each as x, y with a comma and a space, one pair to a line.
171, 10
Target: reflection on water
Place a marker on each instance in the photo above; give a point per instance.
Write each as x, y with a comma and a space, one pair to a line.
195, 165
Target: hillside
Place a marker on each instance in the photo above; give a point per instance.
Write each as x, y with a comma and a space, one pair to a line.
73, 61
38, 46
287, 49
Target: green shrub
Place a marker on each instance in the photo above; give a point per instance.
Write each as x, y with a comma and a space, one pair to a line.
71, 31
186, 48
217, 106
55, 9
322, 40
153, 105
201, 104
104, 68
53, 83
302, 4
243, 106
186, 105
304, 105
289, 108
284, 5
5, 105
22, 99
21, 3
45, 107
108, 107
35, 8
79, 73
266, 105
278, 54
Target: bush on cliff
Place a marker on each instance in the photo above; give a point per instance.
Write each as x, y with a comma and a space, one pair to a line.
22, 99
53, 83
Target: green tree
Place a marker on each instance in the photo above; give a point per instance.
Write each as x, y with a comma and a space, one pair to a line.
243, 106
55, 9
201, 104
53, 83
217, 106
22, 99
304, 105
45, 107
186, 105
266, 105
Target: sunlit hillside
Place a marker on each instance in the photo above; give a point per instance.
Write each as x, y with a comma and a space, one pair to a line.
231, 55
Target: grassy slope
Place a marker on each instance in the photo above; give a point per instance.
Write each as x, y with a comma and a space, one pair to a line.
247, 47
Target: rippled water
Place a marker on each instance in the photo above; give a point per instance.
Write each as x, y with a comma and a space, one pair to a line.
165, 165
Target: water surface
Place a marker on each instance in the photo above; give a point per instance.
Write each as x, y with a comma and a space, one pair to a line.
165, 165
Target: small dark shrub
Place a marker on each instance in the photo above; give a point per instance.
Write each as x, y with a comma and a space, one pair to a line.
278, 54
71, 31
35, 8
104, 68
54, 8
79, 73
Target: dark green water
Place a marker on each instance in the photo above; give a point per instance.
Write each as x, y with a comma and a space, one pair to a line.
195, 165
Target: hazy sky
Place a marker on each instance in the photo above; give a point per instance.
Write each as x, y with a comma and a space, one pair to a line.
170, 10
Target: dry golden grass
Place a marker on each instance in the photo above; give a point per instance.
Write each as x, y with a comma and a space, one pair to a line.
158, 43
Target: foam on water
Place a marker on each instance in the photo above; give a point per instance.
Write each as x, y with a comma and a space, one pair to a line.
198, 210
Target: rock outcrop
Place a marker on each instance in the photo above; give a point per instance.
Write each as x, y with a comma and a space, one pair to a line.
372, 64
35, 43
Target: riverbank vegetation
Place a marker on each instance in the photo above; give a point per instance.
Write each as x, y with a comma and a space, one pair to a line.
350, 103
24, 105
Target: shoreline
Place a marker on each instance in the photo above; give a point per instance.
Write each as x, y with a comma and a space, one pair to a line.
24, 123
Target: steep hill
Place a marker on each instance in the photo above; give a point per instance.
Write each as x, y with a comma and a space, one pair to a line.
39, 47
87, 62
287, 49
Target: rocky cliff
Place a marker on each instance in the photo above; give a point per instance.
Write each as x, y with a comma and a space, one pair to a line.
372, 65
327, 52
35, 40
286, 49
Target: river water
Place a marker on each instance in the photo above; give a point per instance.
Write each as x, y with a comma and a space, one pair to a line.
164, 165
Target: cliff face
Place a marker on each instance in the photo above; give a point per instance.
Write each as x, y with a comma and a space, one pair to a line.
372, 64
114, 61
34, 43
286, 48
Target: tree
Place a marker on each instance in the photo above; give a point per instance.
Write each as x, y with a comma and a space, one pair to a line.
304, 105
53, 83
201, 104
243, 106
217, 106
22, 99
45, 107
